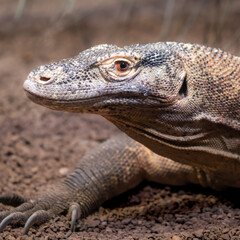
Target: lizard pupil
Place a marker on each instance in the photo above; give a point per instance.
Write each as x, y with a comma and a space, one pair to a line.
122, 66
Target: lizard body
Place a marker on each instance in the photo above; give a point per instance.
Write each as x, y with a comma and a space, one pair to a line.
178, 102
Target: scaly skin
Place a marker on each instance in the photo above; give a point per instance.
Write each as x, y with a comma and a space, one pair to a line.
178, 102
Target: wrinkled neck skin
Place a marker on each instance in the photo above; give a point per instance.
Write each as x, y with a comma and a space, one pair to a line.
173, 132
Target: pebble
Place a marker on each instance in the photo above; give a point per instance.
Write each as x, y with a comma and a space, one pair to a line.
94, 223
198, 233
225, 237
126, 221
176, 238
64, 171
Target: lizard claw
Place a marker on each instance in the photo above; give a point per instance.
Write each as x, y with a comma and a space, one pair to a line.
36, 211
9, 219
40, 216
75, 212
20, 209
27, 213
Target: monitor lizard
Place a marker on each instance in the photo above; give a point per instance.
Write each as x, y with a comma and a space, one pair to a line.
179, 108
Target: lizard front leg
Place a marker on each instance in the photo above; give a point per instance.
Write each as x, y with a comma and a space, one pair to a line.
113, 167
108, 170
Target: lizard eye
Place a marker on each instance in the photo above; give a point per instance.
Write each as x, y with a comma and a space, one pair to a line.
119, 67
122, 66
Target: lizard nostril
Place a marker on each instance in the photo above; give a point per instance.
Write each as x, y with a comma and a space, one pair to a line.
45, 79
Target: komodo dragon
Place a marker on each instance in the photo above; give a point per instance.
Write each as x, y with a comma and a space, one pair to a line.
179, 103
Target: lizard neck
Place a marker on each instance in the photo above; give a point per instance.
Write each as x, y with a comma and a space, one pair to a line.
178, 131
213, 82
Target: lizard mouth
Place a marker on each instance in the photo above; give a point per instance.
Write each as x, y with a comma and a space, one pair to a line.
103, 105
76, 105
89, 105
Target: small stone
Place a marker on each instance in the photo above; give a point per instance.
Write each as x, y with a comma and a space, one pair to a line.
225, 230
64, 171
108, 230
38, 234
176, 238
180, 220
35, 169
94, 223
198, 233
225, 237
126, 221
134, 222
11, 237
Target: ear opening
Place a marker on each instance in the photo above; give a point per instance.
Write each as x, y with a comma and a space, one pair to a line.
183, 90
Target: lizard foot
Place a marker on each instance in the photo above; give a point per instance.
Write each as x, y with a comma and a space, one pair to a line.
32, 212
108, 170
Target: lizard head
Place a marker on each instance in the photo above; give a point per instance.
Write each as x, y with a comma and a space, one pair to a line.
107, 77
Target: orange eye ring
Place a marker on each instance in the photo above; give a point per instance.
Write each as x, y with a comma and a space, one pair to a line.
119, 67
122, 66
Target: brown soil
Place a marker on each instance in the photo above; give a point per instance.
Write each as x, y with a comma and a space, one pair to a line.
39, 147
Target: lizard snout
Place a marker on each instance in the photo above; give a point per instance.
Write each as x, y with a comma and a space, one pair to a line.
46, 76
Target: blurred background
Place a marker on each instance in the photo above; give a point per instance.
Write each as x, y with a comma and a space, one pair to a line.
64, 27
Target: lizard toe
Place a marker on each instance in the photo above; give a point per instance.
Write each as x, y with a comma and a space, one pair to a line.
28, 213
3, 214
12, 218
22, 208
12, 199
39, 217
40, 210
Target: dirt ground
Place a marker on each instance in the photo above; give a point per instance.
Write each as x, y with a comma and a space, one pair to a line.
39, 147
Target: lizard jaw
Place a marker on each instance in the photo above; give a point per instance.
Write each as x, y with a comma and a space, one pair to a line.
76, 106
